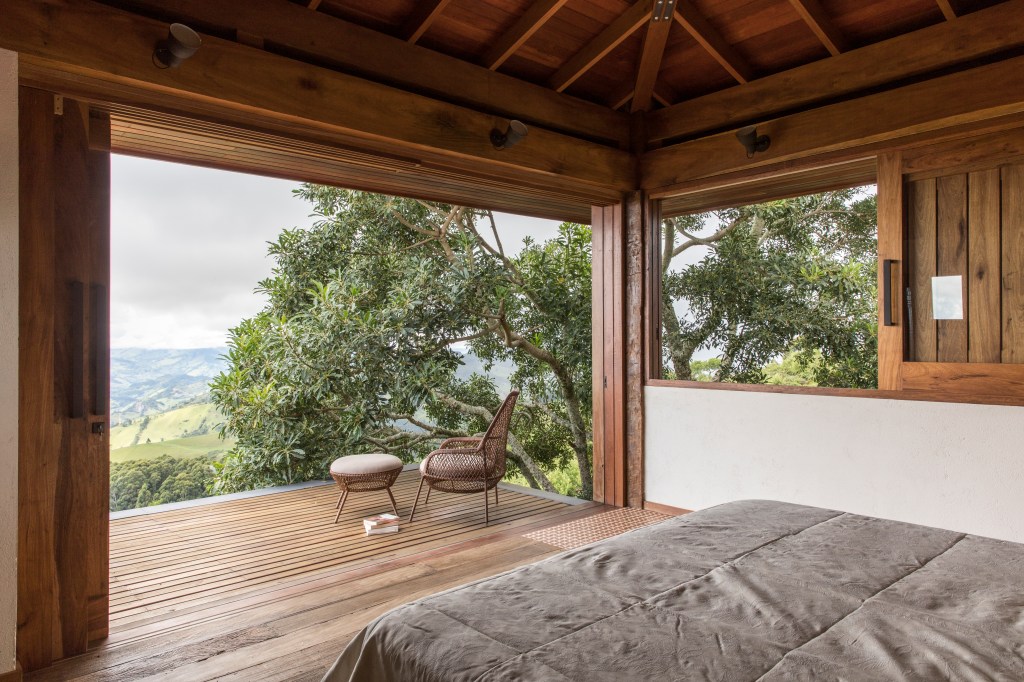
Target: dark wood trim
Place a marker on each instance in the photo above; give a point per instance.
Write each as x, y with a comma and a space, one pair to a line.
874, 123
972, 37
966, 379
690, 18
89, 40
666, 508
652, 291
919, 395
977, 152
12, 676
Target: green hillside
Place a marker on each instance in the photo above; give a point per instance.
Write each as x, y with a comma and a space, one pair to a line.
184, 422
208, 444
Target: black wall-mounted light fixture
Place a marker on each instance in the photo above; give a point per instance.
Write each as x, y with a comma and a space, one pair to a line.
753, 142
180, 44
513, 135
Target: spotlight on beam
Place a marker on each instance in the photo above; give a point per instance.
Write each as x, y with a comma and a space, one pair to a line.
180, 44
513, 135
753, 142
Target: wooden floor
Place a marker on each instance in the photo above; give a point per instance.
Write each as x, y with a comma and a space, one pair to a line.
269, 588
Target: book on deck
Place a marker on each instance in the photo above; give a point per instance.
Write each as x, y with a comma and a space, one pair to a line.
381, 520
383, 530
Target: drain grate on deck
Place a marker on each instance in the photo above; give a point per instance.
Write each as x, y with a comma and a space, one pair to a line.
573, 534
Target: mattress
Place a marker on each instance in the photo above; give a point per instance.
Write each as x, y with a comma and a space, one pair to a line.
751, 590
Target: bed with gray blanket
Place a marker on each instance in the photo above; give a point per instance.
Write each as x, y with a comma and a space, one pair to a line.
750, 590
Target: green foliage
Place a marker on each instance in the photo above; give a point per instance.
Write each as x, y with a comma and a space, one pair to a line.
367, 312
791, 276
143, 483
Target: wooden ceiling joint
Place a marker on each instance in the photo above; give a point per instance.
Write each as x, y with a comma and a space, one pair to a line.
425, 14
522, 30
814, 15
713, 42
652, 53
948, 10
313, 4
606, 41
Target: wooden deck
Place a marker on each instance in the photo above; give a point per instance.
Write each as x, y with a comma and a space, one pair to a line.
269, 588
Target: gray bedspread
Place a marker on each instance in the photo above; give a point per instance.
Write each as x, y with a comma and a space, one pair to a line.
750, 590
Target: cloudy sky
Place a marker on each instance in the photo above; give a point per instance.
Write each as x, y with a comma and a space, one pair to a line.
189, 245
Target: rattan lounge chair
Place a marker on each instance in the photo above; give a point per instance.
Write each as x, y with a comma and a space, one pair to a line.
469, 465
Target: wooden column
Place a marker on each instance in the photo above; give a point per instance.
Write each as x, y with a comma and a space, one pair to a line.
619, 337
63, 475
890, 246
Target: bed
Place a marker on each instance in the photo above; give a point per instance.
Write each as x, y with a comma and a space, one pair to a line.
751, 590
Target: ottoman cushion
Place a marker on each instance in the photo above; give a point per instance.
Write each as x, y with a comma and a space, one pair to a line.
355, 465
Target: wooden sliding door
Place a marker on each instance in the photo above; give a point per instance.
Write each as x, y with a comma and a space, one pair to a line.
63, 476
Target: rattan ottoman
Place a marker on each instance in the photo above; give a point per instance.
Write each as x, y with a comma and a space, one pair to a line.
359, 473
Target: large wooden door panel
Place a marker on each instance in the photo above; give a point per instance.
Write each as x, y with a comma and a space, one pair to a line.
64, 345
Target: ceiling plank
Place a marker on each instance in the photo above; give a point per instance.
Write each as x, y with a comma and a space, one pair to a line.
425, 14
712, 41
606, 41
849, 129
651, 54
974, 36
322, 39
111, 50
947, 8
529, 23
820, 23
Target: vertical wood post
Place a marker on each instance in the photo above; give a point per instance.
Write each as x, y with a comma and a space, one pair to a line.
890, 246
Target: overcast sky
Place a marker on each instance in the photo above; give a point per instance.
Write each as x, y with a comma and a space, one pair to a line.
189, 245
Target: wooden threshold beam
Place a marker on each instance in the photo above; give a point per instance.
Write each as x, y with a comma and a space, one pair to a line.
651, 54
224, 79
522, 30
328, 41
866, 125
712, 41
425, 14
948, 11
814, 15
974, 36
606, 41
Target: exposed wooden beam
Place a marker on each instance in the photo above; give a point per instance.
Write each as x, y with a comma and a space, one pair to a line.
817, 19
651, 54
865, 125
521, 31
425, 14
712, 41
323, 39
606, 41
663, 95
947, 8
93, 41
974, 36
313, 4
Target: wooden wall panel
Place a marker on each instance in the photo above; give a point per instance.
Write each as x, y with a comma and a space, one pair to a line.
983, 254
921, 219
1013, 263
63, 463
951, 258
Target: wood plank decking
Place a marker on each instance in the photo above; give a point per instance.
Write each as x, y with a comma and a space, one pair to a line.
268, 588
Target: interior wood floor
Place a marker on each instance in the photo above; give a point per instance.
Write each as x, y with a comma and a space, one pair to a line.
269, 588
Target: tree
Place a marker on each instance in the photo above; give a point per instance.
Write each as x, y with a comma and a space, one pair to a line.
368, 315
795, 276
164, 479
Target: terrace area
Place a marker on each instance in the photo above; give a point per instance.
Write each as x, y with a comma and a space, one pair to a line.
266, 587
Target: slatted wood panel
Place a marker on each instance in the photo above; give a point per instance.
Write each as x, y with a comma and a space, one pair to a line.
969, 224
183, 562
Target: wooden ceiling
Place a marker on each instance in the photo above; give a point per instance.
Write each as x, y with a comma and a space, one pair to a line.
645, 54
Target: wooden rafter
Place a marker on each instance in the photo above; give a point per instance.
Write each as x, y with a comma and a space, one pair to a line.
651, 54
713, 42
817, 19
606, 41
947, 8
313, 4
425, 14
521, 31
663, 95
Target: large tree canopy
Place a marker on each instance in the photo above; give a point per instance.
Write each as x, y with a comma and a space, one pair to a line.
792, 279
367, 316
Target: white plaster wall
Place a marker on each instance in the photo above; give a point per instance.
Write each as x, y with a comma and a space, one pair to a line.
949, 465
8, 357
